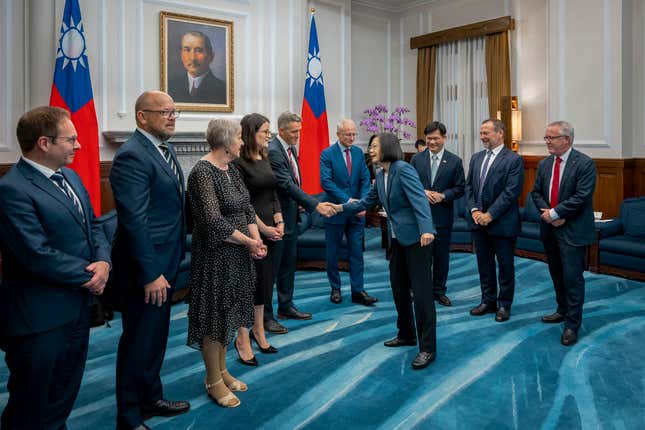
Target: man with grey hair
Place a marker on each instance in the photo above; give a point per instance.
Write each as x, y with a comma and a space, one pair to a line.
344, 177
563, 191
284, 162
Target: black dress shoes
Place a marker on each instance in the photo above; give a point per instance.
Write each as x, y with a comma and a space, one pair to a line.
335, 296
253, 362
272, 326
569, 337
268, 350
443, 300
164, 408
393, 343
423, 359
503, 314
483, 308
363, 298
554, 318
293, 314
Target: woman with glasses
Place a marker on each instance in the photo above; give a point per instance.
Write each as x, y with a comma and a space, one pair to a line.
225, 241
256, 171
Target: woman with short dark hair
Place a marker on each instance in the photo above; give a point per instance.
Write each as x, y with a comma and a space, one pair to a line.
398, 188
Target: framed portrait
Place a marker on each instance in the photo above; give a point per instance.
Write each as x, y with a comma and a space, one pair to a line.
197, 62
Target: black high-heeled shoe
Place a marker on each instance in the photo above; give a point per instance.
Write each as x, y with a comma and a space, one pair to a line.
250, 362
269, 350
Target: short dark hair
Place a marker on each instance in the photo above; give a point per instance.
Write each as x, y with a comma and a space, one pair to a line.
498, 124
433, 126
251, 123
390, 147
40, 121
419, 142
207, 41
372, 137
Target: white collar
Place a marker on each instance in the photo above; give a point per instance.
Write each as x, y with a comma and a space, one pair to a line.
42, 169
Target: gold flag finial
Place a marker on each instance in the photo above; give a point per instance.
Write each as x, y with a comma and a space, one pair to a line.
313, 9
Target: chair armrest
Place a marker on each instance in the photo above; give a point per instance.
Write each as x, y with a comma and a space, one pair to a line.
608, 229
305, 222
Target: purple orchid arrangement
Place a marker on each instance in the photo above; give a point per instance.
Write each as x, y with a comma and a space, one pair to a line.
379, 120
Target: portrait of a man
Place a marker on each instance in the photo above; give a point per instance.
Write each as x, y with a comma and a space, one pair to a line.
197, 62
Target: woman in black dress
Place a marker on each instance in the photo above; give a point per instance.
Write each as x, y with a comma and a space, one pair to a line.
225, 242
259, 179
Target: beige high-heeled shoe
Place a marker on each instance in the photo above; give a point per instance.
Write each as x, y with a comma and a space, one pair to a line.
230, 400
236, 384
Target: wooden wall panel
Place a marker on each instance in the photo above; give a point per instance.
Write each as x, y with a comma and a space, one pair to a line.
638, 175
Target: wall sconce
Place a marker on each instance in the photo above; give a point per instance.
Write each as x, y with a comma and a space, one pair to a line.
516, 124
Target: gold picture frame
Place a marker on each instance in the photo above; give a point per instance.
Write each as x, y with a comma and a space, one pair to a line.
198, 80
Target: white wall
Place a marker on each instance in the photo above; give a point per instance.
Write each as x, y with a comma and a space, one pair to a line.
571, 59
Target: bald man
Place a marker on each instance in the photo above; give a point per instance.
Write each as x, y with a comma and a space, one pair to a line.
148, 188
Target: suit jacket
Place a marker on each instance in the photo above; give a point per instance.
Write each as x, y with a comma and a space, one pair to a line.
449, 180
290, 194
575, 197
336, 182
46, 245
502, 188
211, 90
404, 201
150, 236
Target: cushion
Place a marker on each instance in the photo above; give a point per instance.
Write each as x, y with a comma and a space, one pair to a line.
627, 245
531, 212
621, 261
530, 230
632, 214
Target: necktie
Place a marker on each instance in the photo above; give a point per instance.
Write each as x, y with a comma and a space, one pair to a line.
294, 167
192, 89
60, 181
168, 157
555, 185
433, 168
482, 176
348, 161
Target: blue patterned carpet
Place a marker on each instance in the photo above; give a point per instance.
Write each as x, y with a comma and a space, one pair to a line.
334, 371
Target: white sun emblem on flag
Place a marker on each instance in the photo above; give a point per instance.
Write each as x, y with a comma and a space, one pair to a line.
314, 69
71, 44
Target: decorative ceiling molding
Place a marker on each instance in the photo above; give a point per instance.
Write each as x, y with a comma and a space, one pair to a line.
393, 6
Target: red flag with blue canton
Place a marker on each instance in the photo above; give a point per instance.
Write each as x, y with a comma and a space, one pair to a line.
314, 137
72, 90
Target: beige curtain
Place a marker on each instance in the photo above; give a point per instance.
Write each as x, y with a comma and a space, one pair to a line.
426, 72
498, 75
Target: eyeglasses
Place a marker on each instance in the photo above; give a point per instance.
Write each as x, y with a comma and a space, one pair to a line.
165, 113
267, 132
550, 138
70, 139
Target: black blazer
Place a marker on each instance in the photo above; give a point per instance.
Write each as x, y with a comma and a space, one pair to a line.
449, 180
290, 194
211, 90
150, 236
575, 197
502, 188
46, 245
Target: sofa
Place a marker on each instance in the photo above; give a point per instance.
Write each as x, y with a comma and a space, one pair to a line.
529, 244
461, 238
620, 249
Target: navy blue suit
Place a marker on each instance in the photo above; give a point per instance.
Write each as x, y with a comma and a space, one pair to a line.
149, 242
565, 245
409, 216
501, 189
340, 187
44, 312
449, 180
290, 196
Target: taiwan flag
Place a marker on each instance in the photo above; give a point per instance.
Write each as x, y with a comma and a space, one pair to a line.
72, 90
314, 137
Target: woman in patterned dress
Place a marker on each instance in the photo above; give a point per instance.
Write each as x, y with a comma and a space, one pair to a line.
225, 241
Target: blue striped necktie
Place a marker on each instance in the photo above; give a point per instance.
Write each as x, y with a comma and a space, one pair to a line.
482, 176
62, 184
168, 157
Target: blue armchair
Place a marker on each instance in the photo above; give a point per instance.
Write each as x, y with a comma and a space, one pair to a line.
461, 237
621, 242
528, 242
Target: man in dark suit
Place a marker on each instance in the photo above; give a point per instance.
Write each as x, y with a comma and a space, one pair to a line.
563, 191
344, 177
284, 162
148, 187
54, 258
198, 84
442, 175
494, 183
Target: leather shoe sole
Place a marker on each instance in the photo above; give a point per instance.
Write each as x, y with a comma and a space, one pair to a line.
364, 299
569, 337
483, 309
272, 326
165, 408
503, 314
443, 300
422, 360
396, 342
554, 318
294, 315
335, 297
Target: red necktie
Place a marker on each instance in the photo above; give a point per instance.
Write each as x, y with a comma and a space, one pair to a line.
293, 165
349, 162
555, 185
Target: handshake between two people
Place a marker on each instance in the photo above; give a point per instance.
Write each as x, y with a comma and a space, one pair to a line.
329, 209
